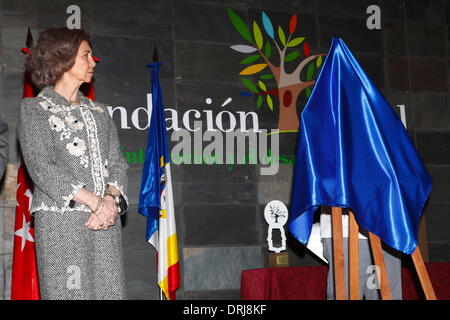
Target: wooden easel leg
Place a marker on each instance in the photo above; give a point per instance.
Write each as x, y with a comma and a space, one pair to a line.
423, 275
377, 252
338, 254
353, 252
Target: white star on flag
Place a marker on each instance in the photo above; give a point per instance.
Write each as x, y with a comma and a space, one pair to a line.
24, 233
29, 195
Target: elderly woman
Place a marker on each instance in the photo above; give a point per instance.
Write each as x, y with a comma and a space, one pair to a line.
71, 150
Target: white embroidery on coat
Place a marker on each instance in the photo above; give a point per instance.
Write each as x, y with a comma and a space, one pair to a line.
77, 148
65, 206
56, 123
94, 151
44, 207
67, 126
47, 105
73, 123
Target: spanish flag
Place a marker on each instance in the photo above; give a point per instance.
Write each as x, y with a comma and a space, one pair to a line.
156, 197
25, 278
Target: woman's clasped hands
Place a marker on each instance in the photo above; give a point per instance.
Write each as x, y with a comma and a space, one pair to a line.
103, 215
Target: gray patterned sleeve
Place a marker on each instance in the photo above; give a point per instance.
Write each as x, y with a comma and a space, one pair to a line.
117, 165
46, 170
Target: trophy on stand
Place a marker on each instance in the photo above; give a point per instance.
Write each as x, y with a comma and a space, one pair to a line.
276, 215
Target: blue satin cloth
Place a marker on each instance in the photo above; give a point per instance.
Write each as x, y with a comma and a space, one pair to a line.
152, 182
354, 152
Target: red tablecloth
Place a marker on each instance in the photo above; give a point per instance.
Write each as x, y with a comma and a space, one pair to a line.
309, 283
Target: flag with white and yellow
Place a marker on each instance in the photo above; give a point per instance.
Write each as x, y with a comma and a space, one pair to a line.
156, 196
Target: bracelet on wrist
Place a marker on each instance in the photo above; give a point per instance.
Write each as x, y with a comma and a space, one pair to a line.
99, 205
112, 195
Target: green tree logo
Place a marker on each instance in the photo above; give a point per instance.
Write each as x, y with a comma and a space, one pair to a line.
289, 86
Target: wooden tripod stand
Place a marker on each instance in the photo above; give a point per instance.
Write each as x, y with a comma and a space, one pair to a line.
375, 243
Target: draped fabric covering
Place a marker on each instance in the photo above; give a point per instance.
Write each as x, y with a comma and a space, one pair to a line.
354, 152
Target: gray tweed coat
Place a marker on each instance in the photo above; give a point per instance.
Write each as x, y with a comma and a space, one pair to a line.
66, 148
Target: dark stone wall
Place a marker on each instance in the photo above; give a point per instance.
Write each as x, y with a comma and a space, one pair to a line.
219, 208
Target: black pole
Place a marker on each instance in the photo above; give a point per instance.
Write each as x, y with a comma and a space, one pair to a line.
29, 42
155, 55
